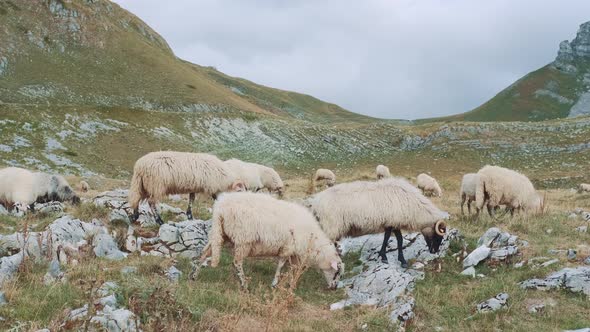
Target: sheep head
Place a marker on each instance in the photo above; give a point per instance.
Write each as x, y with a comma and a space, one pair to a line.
333, 273
434, 235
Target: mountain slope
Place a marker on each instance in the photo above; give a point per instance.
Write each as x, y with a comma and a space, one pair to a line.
559, 90
94, 53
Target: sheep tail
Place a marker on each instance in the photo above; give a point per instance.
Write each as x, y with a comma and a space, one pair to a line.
136, 191
215, 240
480, 189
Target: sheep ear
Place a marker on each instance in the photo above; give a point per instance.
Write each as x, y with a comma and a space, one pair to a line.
334, 265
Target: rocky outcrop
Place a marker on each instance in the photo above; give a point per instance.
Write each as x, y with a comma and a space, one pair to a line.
495, 303
569, 52
494, 245
382, 284
576, 280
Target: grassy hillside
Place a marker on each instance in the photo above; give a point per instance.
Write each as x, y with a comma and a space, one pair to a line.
559, 90
94, 53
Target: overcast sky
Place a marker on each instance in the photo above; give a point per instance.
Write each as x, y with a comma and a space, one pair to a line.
386, 58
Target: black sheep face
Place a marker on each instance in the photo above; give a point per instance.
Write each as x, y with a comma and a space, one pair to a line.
65, 193
432, 239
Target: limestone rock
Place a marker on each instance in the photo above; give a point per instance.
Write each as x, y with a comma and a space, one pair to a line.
116, 320
105, 246
495, 303
54, 273
8, 266
173, 274
3, 299
476, 256
576, 280
470, 271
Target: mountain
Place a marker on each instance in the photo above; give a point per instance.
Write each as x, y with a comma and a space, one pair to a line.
94, 53
560, 89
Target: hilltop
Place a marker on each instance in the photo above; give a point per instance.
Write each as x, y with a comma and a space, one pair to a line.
560, 89
94, 53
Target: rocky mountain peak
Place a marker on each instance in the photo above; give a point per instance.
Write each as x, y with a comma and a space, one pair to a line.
569, 52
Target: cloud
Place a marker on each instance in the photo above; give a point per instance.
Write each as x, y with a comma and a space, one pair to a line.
392, 59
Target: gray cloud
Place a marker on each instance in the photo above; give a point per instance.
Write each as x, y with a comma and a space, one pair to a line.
392, 59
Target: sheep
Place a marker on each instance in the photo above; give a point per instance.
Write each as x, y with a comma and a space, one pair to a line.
159, 174
249, 173
388, 205
468, 186
382, 171
271, 180
84, 187
21, 188
584, 187
502, 186
261, 225
428, 185
322, 174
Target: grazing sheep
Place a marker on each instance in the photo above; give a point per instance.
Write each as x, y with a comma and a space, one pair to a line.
322, 174
382, 171
249, 173
260, 225
159, 174
21, 188
389, 205
584, 187
501, 186
271, 180
428, 185
84, 187
468, 186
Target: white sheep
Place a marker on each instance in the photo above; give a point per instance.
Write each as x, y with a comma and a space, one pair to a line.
468, 187
21, 188
260, 225
271, 180
249, 173
428, 185
84, 187
501, 186
366, 207
324, 175
382, 171
159, 174
584, 187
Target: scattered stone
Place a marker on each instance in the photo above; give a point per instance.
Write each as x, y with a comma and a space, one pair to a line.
105, 246
536, 308
576, 280
587, 260
3, 211
587, 329
116, 320
54, 274
476, 256
572, 216
8, 266
480, 275
418, 266
78, 314
556, 251
128, 270
173, 274
550, 262
50, 207
495, 303
571, 254
470, 271
519, 265
187, 239
582, 229
538, 305
549, 231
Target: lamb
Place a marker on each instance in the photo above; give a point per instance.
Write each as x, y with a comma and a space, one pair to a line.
322, 174
502, 186
584, 187
382, 171
159, 174
389, 205
428, 185
21, 188
249, 173
261, 225
84, 187
468, 186
271, 180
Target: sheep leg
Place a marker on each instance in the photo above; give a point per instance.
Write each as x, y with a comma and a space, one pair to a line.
491, 211
463, 202
133, 218
239, 254
382, 252
281, 263
400, 248
468, 206
189, 212
155, 212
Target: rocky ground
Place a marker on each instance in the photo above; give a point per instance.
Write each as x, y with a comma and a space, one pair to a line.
67, 244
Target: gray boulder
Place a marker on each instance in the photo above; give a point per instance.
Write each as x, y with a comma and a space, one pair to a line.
105, 246
576, 280
479, 254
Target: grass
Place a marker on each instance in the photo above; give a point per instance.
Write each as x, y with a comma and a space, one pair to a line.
443, 299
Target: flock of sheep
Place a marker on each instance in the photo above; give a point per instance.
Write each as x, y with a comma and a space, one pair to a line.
261, 225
